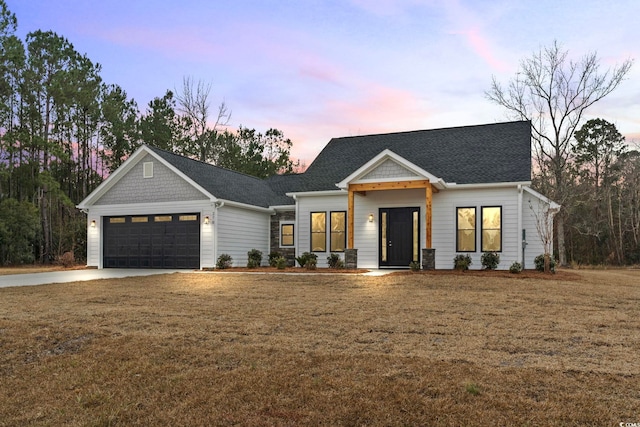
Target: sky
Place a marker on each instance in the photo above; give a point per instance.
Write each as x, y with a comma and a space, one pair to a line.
322, 69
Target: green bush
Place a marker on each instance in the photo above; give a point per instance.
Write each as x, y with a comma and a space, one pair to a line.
334, 261
304, 259
273, 258
539, 263
462, 262
490, 260
254, 258
280, 263
515, 268
224, 261
414, 266
312, 263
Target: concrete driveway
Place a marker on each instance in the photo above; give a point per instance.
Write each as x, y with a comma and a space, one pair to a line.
77, 276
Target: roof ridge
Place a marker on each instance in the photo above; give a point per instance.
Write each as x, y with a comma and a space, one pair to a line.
431, 130
202, 162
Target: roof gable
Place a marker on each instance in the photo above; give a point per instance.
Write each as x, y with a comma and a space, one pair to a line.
387, 166
492, 153
131, 164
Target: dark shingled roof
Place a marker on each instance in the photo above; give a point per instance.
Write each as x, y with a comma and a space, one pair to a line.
490, 153
224, 183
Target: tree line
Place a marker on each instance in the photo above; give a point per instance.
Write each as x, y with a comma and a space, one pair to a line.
63, 129
585, 166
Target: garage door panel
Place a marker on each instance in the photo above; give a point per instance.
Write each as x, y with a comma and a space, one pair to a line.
154, 241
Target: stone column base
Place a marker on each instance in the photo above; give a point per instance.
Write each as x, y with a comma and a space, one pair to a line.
428, 259
351, 259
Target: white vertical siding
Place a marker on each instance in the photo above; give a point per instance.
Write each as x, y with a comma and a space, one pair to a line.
239, 231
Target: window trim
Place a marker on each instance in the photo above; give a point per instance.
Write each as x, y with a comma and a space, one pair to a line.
147, 169
475, 229
331, 231
293, 234
311, 232
482, 208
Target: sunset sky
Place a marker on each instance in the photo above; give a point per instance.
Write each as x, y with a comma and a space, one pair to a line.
323, 69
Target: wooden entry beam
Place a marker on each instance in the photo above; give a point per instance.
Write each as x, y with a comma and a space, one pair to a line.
392, 185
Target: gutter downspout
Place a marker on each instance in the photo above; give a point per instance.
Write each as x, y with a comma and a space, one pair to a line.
520, 231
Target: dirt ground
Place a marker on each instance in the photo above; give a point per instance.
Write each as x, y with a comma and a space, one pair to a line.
479, 348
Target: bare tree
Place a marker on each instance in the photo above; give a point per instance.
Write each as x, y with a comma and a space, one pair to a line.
194, 106
543, 213
553, 92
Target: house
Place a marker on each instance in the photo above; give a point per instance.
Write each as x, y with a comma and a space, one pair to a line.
381, 201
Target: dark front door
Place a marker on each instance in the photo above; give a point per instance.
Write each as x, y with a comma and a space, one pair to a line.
399, 236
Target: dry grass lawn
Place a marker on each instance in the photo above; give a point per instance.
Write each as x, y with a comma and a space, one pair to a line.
253, 350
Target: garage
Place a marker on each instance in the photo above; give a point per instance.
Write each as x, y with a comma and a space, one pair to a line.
152, 241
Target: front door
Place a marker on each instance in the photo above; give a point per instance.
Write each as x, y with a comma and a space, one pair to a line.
399, 236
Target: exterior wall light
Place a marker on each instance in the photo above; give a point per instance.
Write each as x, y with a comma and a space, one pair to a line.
370, 217
206, 220
93, 223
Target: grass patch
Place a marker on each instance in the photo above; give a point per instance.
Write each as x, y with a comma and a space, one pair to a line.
235, 349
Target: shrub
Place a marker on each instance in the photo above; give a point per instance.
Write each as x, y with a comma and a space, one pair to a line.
462, 262
414, 266
273, 258
312, 262
305, 257
67, 259
515, 268
280, 263
254, 258
224, 261
539, 263
334, 261
490, 260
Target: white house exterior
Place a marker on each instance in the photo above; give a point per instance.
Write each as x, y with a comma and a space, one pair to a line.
384, 200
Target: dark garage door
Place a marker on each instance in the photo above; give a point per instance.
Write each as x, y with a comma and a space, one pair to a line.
152, 241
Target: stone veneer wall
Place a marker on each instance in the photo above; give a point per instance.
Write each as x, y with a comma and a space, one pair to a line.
288, 253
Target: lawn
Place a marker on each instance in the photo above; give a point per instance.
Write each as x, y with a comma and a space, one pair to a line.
253, 350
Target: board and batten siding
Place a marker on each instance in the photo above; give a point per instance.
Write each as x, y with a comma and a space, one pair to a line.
239, 231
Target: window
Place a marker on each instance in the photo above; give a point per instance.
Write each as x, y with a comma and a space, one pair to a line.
338, 231
491, 229
163, 218
466, 230
286, 235
147, 170
188, 218
140, 219
318, 231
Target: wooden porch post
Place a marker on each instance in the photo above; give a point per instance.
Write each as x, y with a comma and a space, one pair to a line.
350, 221
428, 213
